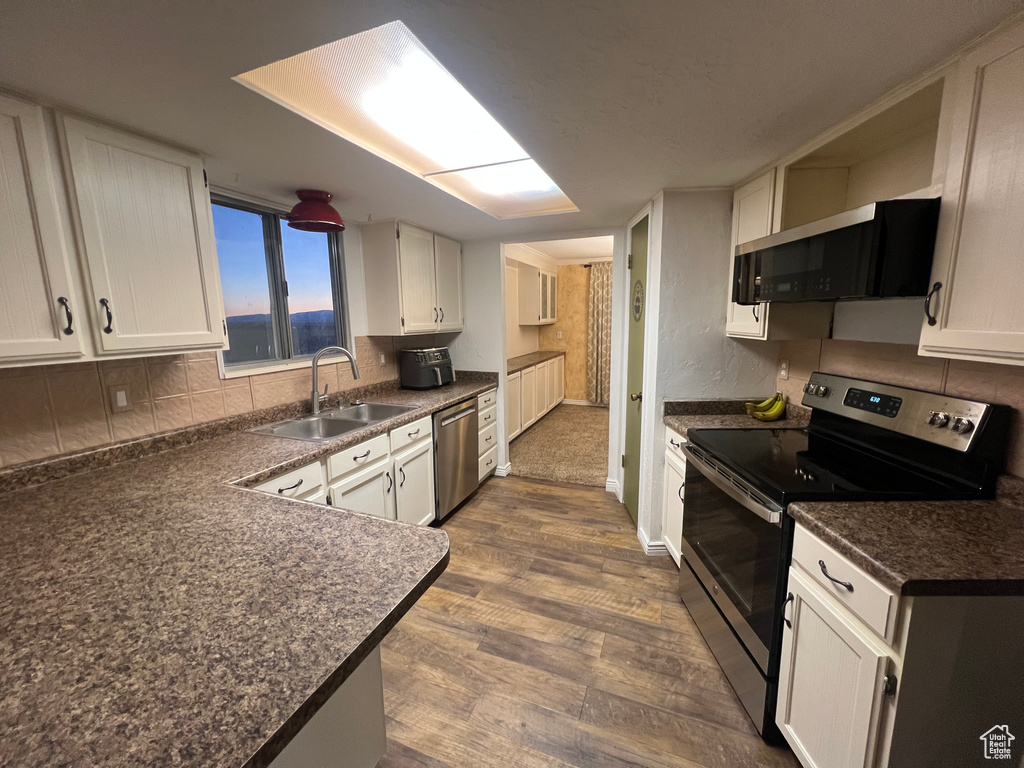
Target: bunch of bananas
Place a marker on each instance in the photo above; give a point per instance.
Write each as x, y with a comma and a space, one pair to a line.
772, 409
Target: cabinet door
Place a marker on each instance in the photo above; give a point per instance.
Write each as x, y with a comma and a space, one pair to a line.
552, 297
529, 389
147, 241
529, 295
552, 389
448, 271
560, 381
370, 491
830, 681
414, 478
542, 389
751, 219
34, 274
417, 277
672, 510
513, 405
544, 307
978, 309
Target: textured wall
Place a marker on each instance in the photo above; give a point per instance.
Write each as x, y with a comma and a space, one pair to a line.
572, 291
901, 365
47, 410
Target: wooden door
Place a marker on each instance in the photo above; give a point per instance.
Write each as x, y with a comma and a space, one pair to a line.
448, 272
635, 365
370, 491
830, 681
38, 309
752, 206
513, 405
529, 396
418, 279
978, 279
147, 241
414, 484
672, 505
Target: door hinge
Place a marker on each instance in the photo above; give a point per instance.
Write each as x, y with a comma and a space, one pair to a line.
889, 683
225, 327
629, 264
206, 181
403, 322
623, 459
398, 234
285, 287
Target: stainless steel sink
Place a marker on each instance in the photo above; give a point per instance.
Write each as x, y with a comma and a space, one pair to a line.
313, 428
328, 425
369, 412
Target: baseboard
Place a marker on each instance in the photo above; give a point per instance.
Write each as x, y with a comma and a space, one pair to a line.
651, 548
582, 402
503, 471
612, 486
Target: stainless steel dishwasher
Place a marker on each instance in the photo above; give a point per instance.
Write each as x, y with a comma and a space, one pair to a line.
455, 455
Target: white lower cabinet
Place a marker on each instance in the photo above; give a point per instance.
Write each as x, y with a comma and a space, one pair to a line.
414, 475
487, 442
543, 405
370, 491
672, 520
830, 681
529, 393
513, 404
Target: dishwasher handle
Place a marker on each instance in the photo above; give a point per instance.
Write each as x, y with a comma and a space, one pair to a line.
457, 416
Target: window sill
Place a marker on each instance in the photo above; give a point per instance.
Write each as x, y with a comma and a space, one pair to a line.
242, 371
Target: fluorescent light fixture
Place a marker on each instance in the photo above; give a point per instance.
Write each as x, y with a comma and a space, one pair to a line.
383, 90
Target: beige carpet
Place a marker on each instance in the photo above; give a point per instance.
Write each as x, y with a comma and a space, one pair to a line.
569, 445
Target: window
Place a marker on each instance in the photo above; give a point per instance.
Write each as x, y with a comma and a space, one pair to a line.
282, 287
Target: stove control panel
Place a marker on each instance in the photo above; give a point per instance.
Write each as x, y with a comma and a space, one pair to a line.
937, 418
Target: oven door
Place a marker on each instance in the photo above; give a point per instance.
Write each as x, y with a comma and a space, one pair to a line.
733, 542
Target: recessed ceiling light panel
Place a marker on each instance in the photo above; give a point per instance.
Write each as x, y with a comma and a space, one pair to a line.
384, 91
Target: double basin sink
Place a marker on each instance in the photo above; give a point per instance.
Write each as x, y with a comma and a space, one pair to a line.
328, 425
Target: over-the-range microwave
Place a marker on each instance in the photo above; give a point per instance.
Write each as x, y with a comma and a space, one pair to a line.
880, 250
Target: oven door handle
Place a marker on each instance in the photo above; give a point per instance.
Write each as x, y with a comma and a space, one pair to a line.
768, 515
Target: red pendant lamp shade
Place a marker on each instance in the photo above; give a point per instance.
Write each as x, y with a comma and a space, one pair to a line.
314, 213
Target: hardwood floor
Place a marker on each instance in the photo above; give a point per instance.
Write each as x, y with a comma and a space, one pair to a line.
553, 640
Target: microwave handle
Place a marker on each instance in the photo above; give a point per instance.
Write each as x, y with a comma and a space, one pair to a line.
768, 515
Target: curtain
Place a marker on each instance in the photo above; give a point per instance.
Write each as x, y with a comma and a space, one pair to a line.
599, 333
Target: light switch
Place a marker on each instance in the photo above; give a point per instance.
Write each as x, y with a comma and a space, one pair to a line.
120, 398
383, 358
558, 334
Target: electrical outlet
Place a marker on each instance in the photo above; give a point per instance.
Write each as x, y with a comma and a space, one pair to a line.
120, 398
784, 369
558, 334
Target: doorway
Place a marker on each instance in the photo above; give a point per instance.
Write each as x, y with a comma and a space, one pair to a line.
637, 270
558, 299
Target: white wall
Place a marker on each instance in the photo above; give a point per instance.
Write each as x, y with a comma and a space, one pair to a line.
688, 355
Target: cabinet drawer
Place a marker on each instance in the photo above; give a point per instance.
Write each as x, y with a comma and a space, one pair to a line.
487, 417
411, 433
674, 443
299, 482
487, 399
488, 438
873, 603
488, 462
356, 457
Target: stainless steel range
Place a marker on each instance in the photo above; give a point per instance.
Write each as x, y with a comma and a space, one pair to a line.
865, 441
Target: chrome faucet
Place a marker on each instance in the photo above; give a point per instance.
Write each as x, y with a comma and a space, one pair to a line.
319, 399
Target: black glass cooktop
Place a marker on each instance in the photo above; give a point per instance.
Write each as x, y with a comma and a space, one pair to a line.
796, 464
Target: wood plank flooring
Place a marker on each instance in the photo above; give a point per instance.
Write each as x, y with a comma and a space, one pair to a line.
553, 640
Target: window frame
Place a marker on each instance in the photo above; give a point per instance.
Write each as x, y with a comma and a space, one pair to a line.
272, 219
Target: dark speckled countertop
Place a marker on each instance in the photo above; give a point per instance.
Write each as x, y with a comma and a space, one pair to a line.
534, 358
155, 614
726, 414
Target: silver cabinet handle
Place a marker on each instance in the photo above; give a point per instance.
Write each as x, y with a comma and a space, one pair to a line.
847, 585
488, 438
674, 443
290, 487
361, 455
489, 462
488, 418
413, 433
442, 314
680, 493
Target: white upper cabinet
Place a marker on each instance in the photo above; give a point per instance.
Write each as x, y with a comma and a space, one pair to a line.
977, 312
412, 277
146, 240
38, 308
419, 281
752, 206
448, 271
538, 301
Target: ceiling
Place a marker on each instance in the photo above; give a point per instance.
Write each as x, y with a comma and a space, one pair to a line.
576, 248
614, 100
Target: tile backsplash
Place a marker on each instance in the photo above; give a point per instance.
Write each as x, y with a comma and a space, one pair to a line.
53, 409
901, 365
